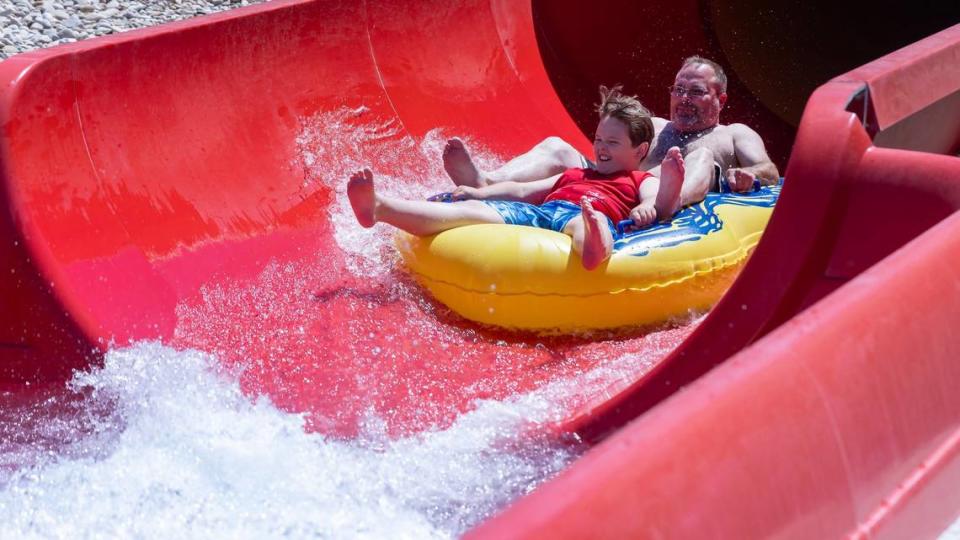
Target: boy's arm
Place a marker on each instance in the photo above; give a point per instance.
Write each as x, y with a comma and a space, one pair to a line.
531, 192
645, 213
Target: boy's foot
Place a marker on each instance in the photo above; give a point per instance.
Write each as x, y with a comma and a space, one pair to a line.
459, 165
363, 197
597, 240
672, 170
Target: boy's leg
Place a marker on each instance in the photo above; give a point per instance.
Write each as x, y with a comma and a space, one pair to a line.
551, 156
591, 235
417, 217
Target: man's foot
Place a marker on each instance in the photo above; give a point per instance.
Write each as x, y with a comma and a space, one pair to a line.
459, 165
363, 197
597, 240
671, 181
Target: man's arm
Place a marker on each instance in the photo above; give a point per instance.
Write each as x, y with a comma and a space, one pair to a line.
531, 192
753, 160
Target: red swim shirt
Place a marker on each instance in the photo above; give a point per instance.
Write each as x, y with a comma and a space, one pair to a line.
613, 194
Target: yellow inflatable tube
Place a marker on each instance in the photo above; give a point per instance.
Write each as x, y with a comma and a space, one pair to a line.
529, 278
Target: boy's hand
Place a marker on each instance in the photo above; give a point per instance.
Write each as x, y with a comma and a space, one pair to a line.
463, 193
740, 180
643, 215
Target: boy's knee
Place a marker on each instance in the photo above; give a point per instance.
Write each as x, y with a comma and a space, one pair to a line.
575, 224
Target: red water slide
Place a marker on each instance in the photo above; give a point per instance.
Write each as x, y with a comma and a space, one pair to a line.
181, 183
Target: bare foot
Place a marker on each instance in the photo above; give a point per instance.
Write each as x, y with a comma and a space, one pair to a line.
459, 165
597, 240
671, 181
363, 197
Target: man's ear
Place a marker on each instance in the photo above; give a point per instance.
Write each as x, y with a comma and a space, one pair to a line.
641, 150
723, 99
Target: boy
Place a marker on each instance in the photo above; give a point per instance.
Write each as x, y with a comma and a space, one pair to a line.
582, 203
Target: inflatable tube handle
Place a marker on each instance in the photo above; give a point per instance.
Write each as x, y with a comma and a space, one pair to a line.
441, 197
725, 186
622, 225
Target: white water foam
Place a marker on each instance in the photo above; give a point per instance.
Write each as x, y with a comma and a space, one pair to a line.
952, 532
178, 451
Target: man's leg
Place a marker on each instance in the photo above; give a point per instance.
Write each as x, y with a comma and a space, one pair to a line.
697, 178
417, 217
673, 179
550, 157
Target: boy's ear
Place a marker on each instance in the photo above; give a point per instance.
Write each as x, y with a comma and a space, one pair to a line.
641, 150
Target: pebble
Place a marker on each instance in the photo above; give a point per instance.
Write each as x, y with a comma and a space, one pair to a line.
31, 24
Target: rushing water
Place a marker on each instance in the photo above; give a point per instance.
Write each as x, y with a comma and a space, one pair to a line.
162, 443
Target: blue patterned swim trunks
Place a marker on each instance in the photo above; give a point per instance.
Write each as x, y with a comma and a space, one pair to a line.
553, 215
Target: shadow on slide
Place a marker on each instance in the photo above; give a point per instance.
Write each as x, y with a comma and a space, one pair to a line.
185, 184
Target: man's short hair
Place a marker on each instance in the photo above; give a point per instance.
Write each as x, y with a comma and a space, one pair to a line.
698, 60
629, 110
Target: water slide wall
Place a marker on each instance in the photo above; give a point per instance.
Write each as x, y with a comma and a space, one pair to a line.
144, 172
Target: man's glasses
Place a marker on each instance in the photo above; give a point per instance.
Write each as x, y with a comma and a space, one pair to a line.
679, 91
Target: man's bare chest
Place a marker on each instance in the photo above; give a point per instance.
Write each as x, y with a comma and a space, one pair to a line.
718, 140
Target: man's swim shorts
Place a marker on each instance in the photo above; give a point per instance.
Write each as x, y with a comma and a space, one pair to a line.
553, 215
585, 163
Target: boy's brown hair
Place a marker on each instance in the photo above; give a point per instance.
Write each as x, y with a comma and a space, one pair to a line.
629, 110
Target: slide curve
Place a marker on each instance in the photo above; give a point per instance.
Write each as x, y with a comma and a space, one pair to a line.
184, 183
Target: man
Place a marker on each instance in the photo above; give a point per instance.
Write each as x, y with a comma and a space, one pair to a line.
712, 151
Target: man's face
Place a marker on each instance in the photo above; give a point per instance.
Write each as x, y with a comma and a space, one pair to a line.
698, 105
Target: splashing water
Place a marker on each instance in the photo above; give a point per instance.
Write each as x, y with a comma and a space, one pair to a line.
166, 445
334, 144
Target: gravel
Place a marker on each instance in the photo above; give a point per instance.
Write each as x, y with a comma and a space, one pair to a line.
32, 24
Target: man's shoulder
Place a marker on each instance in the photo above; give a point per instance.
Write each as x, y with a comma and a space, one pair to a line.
738, 129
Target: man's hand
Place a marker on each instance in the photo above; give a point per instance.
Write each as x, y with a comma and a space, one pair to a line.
753, 159
643, 215
740, 180
463, 193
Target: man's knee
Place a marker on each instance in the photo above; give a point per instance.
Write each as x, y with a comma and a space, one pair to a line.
704, 154
559, 149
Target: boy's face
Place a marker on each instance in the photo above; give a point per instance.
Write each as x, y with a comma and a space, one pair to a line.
613, 150
698, 105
